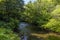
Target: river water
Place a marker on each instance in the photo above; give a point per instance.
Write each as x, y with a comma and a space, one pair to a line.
23, 30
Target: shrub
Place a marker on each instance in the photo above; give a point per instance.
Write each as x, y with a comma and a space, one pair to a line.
53, 38
7, 34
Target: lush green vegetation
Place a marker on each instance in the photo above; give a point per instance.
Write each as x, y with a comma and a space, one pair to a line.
9, 18
53, 38
43, 14
7, 34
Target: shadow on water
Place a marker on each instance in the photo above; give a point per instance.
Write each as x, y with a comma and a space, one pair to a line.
34, 38
39, 30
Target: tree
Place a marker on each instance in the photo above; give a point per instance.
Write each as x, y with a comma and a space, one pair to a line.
10, 11
43, 13
38, 12
54, 22
7, 34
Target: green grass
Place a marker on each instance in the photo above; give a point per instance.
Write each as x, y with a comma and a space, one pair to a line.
53, 38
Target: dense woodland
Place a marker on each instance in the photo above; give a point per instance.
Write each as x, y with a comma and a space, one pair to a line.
43, 14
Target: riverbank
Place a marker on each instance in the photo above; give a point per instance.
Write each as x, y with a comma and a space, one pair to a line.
45, 36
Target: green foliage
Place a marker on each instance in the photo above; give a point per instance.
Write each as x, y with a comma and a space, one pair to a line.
7, 34
12, 24
38, 12
45, 13
53, 38
56, 13
53, 25
54, 22
10, 11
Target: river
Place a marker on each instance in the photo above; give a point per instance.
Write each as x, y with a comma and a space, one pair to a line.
23, 30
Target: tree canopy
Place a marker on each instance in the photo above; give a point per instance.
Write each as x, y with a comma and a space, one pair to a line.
10, 11
41, 13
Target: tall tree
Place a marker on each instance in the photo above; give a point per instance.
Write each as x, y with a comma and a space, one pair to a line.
10, 11
38, 12
44, 13
54, 22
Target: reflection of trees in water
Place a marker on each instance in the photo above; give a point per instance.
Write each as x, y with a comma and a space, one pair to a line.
34, 38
